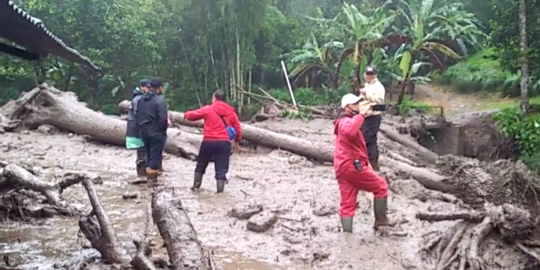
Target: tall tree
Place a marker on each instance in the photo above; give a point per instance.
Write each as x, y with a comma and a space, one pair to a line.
524, 84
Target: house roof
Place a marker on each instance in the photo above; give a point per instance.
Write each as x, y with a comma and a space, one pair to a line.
18, 26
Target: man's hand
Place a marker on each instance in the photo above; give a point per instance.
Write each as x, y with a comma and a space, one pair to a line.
235, 147
363, 91
169, 123
367, 109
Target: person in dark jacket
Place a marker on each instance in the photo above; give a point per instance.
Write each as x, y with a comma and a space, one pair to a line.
352, 168
221, 129
132, 131
152, 120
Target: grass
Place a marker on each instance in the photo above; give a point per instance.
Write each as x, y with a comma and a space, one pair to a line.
505, 103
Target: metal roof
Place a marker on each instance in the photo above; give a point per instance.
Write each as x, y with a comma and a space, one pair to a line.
34, 36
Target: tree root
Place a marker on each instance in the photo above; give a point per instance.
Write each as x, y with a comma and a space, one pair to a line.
20, 184
460, 247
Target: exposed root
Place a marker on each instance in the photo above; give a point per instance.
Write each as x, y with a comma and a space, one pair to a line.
460, 247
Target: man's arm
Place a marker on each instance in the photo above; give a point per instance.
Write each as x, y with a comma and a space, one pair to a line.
351, 126
237, 127
196, 114
376, 93
162, 114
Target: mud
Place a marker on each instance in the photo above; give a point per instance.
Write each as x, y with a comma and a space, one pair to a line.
302, 195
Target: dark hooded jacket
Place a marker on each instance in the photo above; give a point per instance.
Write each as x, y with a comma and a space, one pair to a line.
152, 114
132, 128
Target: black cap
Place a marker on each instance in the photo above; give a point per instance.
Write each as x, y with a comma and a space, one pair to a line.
156, 83
144, 83
370, 70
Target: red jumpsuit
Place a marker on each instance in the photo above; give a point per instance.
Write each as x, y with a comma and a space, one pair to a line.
350, 146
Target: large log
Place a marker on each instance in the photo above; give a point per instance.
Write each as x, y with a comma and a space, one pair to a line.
62, 110
184, 249
317, 151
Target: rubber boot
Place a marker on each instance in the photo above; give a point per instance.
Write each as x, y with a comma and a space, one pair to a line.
220, 185
347, 224
141, 169
374, 162
151, 177
380, 207
197, 181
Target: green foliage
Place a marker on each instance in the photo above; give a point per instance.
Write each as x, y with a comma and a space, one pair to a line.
483, 72
407, 105
525, 131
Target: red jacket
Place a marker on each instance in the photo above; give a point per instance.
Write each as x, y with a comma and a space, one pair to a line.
214, 128
350, 143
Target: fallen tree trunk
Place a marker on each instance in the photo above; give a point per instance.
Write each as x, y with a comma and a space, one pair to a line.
425, 153
62, 110
184, 249
319, 152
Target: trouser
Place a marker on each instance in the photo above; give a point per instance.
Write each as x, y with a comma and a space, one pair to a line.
220, 151
350, 182
369, 129
154, 144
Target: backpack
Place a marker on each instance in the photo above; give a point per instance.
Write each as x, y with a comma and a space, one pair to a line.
230, 130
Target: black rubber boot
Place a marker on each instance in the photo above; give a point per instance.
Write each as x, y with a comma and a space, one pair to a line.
347, 224
141, 169
380, 208
197, 182
220, 184
374, 162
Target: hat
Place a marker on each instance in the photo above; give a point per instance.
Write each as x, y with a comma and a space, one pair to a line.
156, 83
370, 70
144, 83
349, 99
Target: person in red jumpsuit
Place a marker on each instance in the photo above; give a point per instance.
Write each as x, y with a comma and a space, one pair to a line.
352, 168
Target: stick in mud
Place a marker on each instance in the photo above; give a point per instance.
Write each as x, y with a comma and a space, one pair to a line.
184, 249
98, 229
141, 259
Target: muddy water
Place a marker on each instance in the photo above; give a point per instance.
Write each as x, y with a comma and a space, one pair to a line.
300, 239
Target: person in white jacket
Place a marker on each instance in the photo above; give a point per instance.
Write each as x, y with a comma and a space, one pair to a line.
374, 92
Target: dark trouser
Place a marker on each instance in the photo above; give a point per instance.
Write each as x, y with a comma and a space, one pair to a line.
220, 151
370, 128
154, 144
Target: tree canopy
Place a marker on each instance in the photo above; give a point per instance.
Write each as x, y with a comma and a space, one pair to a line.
238, 45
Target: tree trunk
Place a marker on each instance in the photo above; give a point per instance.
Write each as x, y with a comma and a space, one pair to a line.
184, 249
524, 59
260, 136
62, 110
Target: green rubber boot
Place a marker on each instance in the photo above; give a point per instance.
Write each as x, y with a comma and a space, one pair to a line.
347, 224
380, 208
197, 181
220, 185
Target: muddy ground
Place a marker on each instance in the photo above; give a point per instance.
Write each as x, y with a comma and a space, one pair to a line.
301, 239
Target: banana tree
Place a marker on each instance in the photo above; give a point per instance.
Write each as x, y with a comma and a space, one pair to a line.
367, 31
313, 60
394, 70
427, 27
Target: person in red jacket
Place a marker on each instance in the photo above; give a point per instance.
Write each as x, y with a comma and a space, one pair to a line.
352, 168
221, 129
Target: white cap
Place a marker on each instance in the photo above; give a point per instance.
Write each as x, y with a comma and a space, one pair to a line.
350, 99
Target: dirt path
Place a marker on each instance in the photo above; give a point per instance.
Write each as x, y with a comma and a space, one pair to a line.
292, 191
453, 103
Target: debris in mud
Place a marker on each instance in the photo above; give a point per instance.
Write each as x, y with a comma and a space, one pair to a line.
261, 222
47, 129
130, 196
245, 210
323, 209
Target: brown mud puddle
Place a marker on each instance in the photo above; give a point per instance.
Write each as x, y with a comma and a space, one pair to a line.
299, 240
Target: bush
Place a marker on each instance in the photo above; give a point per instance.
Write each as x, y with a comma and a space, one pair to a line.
525, 131
481, 72
309, 96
